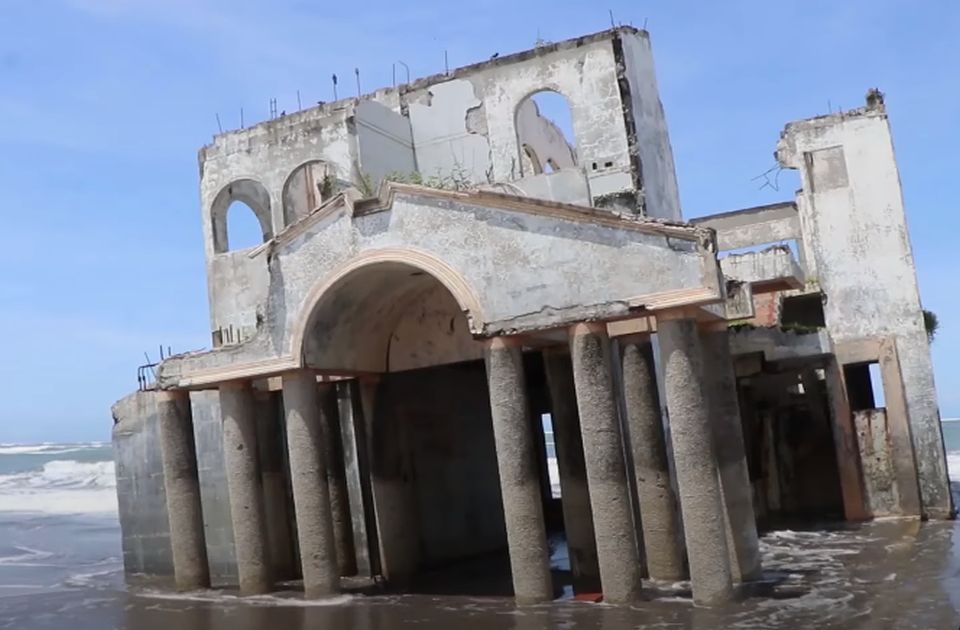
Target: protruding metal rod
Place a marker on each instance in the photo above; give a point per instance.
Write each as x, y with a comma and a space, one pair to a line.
405, 67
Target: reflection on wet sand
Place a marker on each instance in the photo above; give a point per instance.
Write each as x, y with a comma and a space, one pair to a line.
887, 574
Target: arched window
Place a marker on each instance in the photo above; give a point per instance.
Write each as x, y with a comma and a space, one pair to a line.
308, 186
243, 227
544, 126
230, 215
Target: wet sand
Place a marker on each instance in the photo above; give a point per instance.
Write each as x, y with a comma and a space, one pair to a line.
893, 574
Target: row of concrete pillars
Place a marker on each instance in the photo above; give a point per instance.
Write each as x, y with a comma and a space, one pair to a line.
713, 529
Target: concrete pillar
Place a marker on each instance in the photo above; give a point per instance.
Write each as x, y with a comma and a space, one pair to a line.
245, 488
659, 512
190, 568
275, 498
574, 491
357, 469
394, 500
721, 384
519, 481
698, 479
337, 479
617, 551
845, 444
308, 473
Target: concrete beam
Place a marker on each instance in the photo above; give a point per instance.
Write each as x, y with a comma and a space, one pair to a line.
754, 226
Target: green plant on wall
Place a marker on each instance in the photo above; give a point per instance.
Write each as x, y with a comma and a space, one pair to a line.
457, 178
931, 322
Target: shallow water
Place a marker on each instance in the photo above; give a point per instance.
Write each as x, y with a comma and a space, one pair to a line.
63, 570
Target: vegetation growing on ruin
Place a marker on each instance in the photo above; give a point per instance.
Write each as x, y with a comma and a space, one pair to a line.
457, 178
932, 323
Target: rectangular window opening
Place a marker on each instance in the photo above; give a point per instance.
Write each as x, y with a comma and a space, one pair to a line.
553, 471
864, 386
803, 311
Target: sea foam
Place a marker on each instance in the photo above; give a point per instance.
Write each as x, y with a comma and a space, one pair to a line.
61, 487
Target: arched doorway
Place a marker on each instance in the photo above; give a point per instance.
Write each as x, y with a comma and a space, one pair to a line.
431, 456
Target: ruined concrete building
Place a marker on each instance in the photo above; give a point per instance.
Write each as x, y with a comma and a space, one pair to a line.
441, 271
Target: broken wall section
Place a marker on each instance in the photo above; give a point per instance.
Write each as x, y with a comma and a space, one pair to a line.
478, 121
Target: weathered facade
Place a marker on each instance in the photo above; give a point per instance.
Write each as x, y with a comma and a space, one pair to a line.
440, 267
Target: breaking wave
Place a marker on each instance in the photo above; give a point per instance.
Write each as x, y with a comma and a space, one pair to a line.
61, 487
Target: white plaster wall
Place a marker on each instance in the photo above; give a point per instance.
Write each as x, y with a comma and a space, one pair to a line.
856, 226
268, 154
438, 117
384, 141
585, 75
853, 219
653, 140
271, 151
239, 286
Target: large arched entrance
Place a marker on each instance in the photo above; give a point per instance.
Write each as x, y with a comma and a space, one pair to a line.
436, 523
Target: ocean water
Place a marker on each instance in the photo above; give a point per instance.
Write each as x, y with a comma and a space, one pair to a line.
60, 566
58, 518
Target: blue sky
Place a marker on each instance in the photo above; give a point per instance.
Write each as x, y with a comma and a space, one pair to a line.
104, 103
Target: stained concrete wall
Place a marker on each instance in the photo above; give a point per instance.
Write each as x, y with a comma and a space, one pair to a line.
432, 331
238, 287
218, 526
852, 215
446, 412
142, 500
